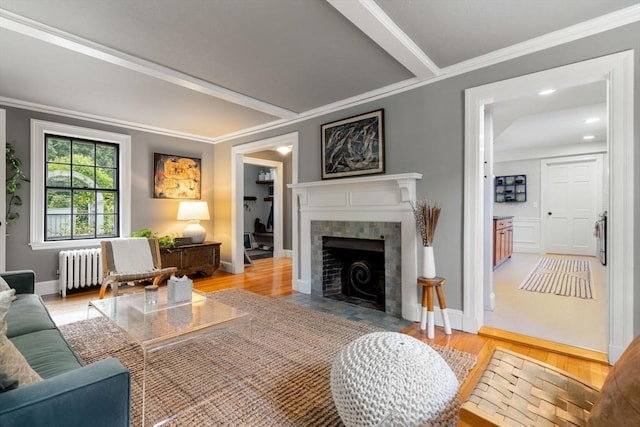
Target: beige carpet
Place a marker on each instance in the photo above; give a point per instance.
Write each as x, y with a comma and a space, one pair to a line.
279, 377
567, 277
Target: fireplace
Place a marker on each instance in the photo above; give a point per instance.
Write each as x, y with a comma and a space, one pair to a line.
376, 208
353, 271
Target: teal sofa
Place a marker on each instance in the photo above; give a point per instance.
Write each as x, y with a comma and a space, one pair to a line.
71, 393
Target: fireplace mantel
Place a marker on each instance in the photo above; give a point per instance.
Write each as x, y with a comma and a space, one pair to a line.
376, 198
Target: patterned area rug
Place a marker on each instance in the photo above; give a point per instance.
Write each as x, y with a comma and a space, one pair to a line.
277, 377
567, 277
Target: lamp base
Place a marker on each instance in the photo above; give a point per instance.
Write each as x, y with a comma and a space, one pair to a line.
195, 232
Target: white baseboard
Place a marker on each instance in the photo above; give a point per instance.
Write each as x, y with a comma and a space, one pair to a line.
51, 287
286, 253
226, 266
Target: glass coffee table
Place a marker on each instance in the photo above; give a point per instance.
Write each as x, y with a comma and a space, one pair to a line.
157, 326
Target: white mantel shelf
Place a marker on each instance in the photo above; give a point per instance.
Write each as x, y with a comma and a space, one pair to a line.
383, 198
349, 181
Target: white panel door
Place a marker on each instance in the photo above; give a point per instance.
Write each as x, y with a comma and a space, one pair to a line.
571, 196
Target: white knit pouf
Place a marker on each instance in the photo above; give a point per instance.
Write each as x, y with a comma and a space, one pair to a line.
388, 378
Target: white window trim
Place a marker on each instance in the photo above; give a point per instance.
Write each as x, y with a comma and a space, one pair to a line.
38, 130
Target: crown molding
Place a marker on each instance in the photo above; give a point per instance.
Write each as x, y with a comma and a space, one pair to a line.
603, 23
16, 103
597, 25
30, 28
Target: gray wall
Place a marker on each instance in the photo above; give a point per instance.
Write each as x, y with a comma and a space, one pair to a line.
159, 215
424, 132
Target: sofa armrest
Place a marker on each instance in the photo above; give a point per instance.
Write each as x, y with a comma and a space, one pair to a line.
96, 395
23, 281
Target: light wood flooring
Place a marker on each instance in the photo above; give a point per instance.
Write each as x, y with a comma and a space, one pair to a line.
272, 277
568, 320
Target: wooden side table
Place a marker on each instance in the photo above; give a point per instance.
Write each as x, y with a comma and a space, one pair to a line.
202, 258
427, 318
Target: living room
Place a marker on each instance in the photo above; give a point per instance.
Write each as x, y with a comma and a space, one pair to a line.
425, 129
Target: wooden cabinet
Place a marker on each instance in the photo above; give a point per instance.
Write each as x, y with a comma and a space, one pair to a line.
502, 240
203, 258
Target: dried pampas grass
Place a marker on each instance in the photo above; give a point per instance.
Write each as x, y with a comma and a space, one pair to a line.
426, 215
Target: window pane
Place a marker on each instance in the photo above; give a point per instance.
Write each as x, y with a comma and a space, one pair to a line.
106, 178
83, 153
58, 201
106, 156
58, 150
83, 177
58, 227
83, 202
58, 175
84, 226
106, 225
106, 202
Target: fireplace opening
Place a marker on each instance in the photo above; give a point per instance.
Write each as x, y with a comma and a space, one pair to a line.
353, 271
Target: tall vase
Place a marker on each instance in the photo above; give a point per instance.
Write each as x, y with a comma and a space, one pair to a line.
428, 264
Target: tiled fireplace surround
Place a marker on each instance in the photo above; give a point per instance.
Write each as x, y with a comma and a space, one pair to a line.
376, 207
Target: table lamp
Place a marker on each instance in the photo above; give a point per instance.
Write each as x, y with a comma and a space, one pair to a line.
194, 212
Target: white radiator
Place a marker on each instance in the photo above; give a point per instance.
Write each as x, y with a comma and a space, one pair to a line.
79, 268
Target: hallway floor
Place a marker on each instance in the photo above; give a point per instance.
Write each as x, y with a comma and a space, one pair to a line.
567, 320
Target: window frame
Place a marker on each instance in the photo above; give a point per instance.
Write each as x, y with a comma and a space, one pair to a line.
39, 128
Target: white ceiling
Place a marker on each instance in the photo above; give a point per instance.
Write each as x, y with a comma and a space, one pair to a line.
211, 69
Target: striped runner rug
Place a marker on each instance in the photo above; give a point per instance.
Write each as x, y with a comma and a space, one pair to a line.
567, 277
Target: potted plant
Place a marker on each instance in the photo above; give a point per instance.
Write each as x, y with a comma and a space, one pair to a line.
15, 177
164, 242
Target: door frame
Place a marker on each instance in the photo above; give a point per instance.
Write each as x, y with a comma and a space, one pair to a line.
544, 200
237, 195
617, 70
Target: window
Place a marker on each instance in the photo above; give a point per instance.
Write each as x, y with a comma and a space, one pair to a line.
80, 185
81, 189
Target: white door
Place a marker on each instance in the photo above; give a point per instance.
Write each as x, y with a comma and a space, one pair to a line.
3, 208
571, 194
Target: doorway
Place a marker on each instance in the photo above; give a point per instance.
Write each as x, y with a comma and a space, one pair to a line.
617, 71
239, 155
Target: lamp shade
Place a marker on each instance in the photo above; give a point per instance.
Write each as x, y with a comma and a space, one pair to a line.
193, 210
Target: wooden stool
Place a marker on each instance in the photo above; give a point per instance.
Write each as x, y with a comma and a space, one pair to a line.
427, 305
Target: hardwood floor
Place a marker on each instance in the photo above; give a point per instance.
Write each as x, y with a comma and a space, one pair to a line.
272, 277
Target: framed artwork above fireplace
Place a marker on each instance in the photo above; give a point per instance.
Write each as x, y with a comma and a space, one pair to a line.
353, 146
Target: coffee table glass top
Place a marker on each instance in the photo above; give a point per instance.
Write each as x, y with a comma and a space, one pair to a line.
155, 324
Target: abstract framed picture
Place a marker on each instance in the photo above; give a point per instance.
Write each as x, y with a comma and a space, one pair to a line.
353, 146
176, 177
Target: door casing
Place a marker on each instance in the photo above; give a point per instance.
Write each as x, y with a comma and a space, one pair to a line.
617, 70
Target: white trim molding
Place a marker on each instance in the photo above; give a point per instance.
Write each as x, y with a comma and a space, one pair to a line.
618, 71
237, 192
38, 130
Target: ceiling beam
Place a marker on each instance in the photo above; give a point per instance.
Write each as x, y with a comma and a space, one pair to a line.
45, 33
376, 24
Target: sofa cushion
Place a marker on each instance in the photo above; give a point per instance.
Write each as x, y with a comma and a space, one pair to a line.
28, 314
619, 400
47, 352
12, 363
